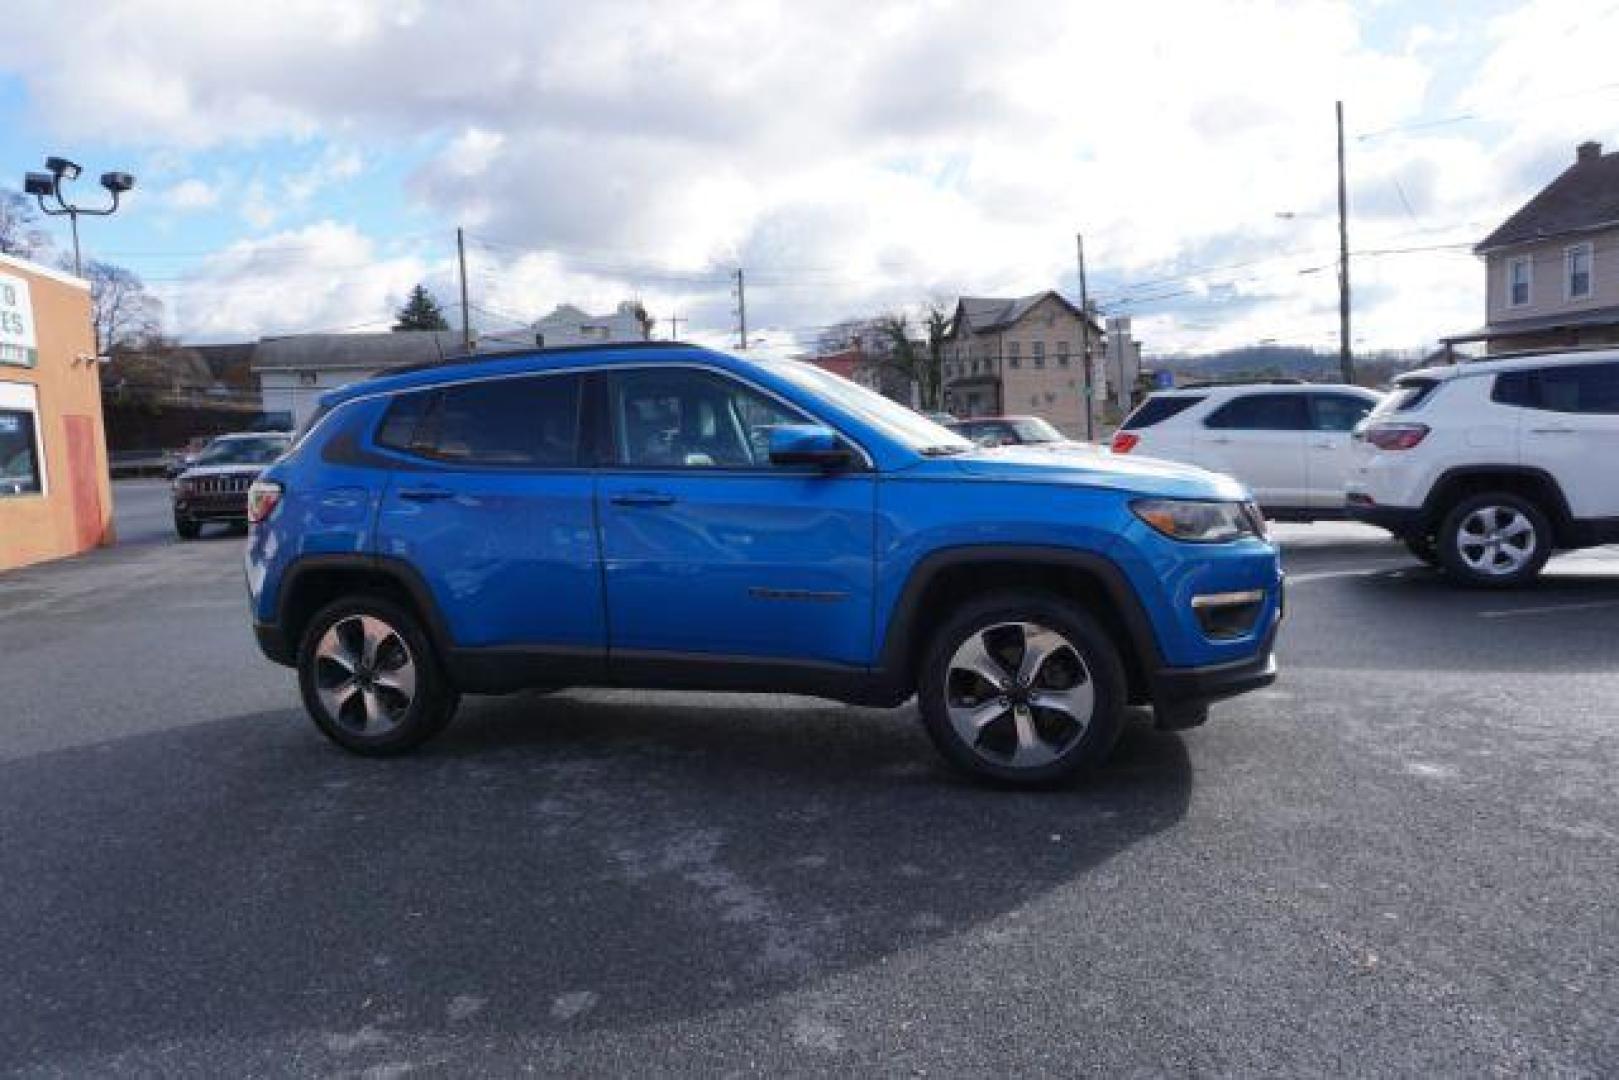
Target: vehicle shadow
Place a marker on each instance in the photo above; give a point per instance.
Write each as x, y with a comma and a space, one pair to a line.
574, 860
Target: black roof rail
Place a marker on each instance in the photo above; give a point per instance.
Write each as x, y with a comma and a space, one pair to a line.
1547, 350
534, 350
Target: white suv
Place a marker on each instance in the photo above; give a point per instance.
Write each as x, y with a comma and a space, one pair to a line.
1487, 467
1289, 442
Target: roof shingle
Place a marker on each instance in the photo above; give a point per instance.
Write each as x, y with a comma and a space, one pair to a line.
1583, 198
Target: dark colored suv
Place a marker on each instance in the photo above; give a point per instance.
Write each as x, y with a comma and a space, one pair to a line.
213, 489
671, 517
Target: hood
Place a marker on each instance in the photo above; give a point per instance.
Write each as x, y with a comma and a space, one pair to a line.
196, 471
1081, 465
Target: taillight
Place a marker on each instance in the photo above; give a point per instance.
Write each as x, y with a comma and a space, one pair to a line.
1125, 441
1396, 436
262, 499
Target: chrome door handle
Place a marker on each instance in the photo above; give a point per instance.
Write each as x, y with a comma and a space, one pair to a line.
1325, 445
641, 498
1220, 440
1551, 431
425, 494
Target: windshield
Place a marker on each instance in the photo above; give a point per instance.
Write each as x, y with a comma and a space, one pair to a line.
252, 451
912, 429
1032, 429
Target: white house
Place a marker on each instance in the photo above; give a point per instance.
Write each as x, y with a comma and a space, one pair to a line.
567, 325
295, 370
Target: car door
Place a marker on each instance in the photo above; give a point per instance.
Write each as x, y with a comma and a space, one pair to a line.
1259, 438
1328, 447
710, 549
1570, 429
489, 501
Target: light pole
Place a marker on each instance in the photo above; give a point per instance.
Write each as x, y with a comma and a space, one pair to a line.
40, 185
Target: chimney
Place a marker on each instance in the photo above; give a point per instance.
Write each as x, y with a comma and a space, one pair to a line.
1588, 151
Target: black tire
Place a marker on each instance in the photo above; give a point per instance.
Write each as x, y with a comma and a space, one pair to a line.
187, 529
1073, 746
1460, 550
429, 708
1423, 547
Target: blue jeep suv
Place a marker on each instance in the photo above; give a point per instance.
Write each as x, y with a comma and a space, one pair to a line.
667, 516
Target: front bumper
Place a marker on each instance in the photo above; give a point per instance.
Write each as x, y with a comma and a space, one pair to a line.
1181, 696
228, 507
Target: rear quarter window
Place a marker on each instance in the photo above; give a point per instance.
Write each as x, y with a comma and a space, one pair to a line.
1155, 410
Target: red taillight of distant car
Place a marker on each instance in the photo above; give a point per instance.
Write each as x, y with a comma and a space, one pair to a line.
1125, 441
262, 499
1396, 436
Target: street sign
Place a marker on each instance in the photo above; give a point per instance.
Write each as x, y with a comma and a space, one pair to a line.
17, 342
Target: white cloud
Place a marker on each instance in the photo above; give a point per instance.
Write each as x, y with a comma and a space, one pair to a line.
854, 155
192, 194
327, 276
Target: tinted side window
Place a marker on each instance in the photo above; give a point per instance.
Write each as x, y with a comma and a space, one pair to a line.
681, 418
1586, 388
1155, 410
399, 424
531, 421
1514, 388
1262, 412
1339, 412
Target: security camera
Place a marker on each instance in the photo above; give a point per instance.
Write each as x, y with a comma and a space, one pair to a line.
117, 182
38, 183
63, 167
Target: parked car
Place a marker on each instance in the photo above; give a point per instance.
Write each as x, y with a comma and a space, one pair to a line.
214, 488
1008, 431
665, 516
185, 457
1288, 442
1486, 468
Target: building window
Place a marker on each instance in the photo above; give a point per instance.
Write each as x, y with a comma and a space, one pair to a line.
1040, 354
19, 454
1518, 276
1062, 354
1012, 354
1578, 260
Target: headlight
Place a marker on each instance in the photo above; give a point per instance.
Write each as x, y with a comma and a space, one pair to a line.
1200, 522
185, 487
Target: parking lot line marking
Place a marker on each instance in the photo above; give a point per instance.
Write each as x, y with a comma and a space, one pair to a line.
1548, 609
1322, 575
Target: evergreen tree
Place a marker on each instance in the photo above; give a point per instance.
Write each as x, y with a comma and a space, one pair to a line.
421, 312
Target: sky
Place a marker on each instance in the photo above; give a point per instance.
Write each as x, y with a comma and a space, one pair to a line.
300, 165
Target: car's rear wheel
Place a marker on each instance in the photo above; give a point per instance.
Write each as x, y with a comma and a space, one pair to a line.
369, 677
186, 528
1495, 540
1022, 688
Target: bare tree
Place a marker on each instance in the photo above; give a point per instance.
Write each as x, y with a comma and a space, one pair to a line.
17, 233
123, 312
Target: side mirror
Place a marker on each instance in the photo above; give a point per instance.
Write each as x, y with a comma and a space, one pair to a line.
807, 444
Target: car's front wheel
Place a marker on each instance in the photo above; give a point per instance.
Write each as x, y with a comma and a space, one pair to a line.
187, 528
1022, 688
1495, 540
369, 677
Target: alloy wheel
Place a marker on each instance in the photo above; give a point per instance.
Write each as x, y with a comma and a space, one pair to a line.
1496, 541
1019, 694
365, 675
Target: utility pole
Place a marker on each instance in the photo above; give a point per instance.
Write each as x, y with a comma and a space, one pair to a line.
466, 313
674, 322
741, 311
1085, 343
1346, 360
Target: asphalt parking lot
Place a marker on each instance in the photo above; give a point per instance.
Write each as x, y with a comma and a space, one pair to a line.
1403, 858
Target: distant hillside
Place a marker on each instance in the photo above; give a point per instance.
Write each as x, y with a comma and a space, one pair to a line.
1282, 361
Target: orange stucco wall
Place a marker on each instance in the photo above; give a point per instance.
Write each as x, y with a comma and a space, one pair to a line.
75, 511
